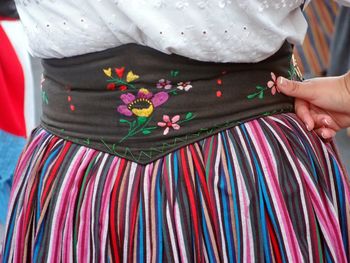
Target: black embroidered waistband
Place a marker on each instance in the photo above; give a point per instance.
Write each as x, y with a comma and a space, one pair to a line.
138, 103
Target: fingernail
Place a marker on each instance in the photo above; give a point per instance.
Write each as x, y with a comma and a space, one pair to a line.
323, 135
327, 122
282, 82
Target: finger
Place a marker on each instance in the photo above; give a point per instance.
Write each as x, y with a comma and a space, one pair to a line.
328, 93
326, 133
302, 90
324, 120
302, 109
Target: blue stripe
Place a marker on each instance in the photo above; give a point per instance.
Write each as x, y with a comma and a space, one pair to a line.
205, 229
159, 218
38, 241
266, 243
140, 250
226, 219
230, 220
9, 235
273, 220
235, 203
341, 197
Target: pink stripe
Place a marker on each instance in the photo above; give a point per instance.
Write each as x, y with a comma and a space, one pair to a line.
68, 245
327, 220
60, 212
276, 194
85, 223
105, 206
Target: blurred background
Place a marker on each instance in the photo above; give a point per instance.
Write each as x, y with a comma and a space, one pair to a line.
325, 52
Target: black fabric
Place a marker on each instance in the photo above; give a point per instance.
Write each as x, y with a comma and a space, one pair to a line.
81, 104
8, 9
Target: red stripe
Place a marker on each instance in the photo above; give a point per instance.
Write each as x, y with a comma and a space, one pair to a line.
193, 206
54, 170
135, 202
204, 188
274, 241
113, 213
28, 212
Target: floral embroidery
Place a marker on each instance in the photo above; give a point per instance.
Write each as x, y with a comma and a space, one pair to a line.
141, 125
118, 81
167, 123
164, 84
186, 86
143, 105
272, 84
293, 72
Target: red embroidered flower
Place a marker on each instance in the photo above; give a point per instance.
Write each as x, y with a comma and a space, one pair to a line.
167, 123
272, 84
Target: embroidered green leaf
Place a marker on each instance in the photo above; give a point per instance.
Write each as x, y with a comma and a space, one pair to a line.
44, 97
252, 96
261, 95
124, 121
173, 92
141, 120
151, 128
189, 115
146, 132
174, 73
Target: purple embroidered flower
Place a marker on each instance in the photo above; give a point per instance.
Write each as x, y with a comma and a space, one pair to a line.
167, 123
164, 84
143, 104
272, 84
186, 86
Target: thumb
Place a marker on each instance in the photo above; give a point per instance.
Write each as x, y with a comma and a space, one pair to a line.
302, 90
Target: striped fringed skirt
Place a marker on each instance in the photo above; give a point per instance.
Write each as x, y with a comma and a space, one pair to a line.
266, 190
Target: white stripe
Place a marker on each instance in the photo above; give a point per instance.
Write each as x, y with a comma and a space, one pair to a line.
128, 203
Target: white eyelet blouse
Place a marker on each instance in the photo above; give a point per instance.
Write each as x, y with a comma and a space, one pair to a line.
207, 30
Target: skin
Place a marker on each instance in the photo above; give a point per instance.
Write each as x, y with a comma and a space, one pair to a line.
323, 104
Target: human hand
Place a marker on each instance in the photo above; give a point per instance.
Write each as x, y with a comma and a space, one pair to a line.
323, 104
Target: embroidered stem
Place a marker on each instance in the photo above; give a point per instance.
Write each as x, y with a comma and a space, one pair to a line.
172, 91
121, 82
141, 124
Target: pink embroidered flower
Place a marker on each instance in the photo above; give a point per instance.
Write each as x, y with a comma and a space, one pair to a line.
167, 123
184, 85
143, 104
272, 84
164, 84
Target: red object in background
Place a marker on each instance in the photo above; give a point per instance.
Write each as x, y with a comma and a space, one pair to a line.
11, 89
